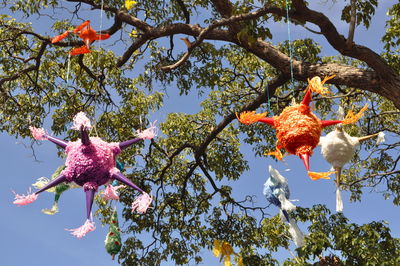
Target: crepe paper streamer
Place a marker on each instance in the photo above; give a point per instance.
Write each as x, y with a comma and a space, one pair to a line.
80, 232
337, 148
380, 138
142, 203
129, 4
87, 34
110, 193
113, 242
224, 250
276, 191
298, 129
148, 133
90, 163
24, 199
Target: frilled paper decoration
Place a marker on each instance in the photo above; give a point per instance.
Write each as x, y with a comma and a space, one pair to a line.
276, 190
224, 250
86, 33
338, 147
297, 128
90, 163
113, 242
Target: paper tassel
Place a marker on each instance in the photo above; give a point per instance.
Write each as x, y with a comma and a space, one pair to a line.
110, 193
285, 203
323, 175
381, 138
38, 133
297, 235
148, 133
51, 211
80, 119
351, 118
142, 203
277, 153
24, 199
250, 117
83, 230
339, 201
317, 86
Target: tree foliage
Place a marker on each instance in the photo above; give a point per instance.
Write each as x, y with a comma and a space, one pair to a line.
230, 59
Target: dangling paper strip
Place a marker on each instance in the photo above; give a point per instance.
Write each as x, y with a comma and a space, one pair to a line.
297, 235
339, 201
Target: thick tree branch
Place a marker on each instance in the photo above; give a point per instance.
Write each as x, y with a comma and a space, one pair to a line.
386, 76
216, 24
382, 79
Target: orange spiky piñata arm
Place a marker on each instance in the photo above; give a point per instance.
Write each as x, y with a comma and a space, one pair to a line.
60, 37
351, 118
80, 27
250, 117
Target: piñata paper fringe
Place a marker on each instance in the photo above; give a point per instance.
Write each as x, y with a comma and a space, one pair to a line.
24, 199
142, 203
148, 133
83, 230
250, 117
351, 118
339, 201
321, 175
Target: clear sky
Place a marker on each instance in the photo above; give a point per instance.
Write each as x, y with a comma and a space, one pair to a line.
33, 238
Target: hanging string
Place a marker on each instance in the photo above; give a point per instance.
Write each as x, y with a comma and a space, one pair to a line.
68, 65
101, 31
98, 59
290, 46
268, 100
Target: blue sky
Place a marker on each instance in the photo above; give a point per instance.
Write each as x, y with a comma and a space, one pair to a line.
33, 238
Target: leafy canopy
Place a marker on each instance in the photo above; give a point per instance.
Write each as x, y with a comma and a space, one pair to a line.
232, 61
